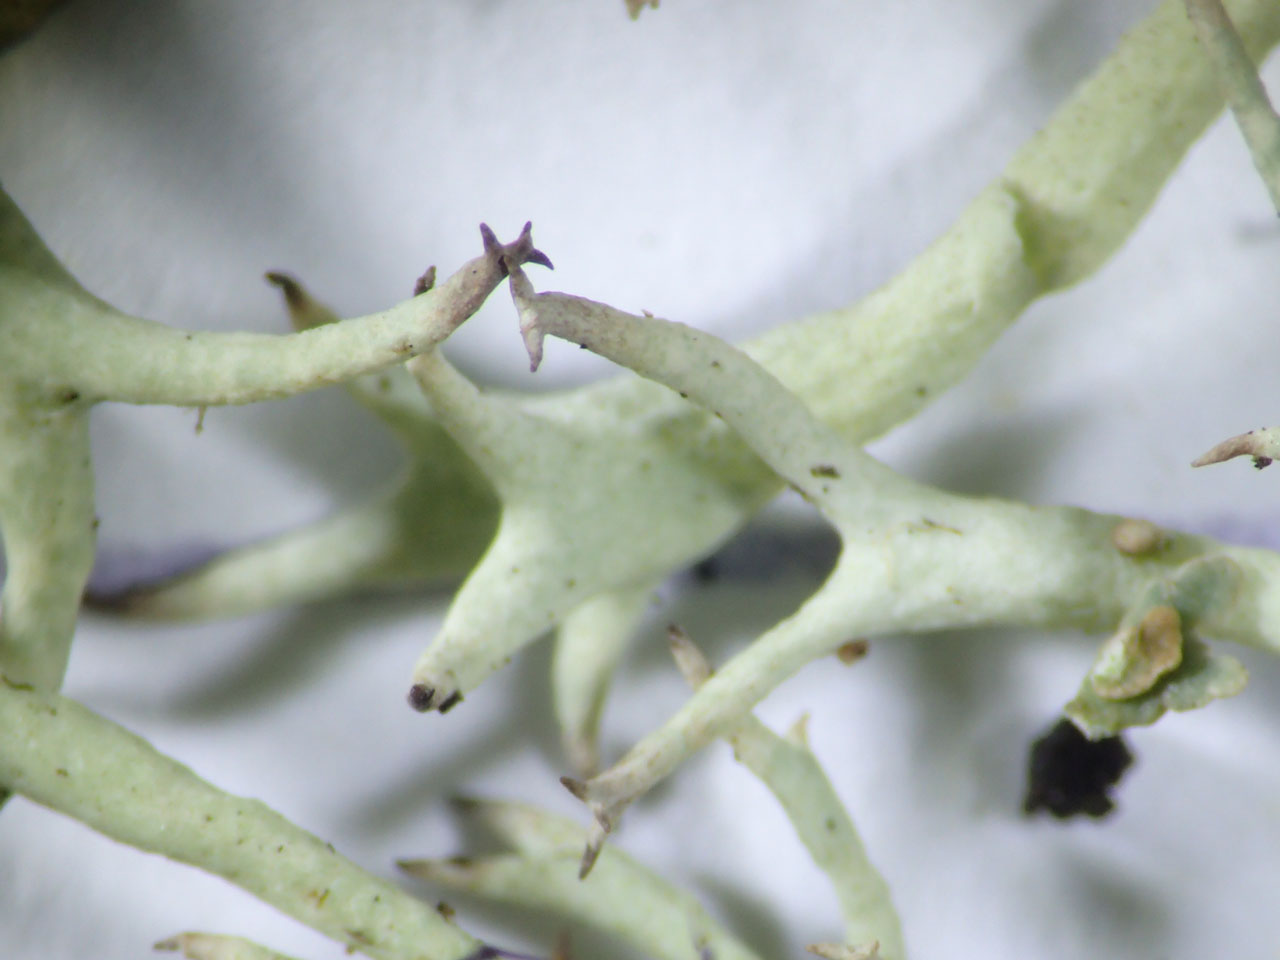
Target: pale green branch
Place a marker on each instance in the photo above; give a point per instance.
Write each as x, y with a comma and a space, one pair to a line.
914, 558
65, 340
48, 527
389, 540
61, 755
215, 946
1240, 84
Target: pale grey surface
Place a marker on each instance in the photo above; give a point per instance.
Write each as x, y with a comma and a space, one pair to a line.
731, 165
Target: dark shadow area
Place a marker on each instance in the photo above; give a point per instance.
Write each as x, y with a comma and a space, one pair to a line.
1117, 903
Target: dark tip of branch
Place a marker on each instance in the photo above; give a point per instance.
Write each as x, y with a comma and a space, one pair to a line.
294, 295
576, 787
464, 804
425, 282
420, 697
540, 258
518, 252
449, 702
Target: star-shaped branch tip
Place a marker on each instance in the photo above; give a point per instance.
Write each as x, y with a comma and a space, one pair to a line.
518, 252
305, 311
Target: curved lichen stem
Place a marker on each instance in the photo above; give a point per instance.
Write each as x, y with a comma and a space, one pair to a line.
65, 341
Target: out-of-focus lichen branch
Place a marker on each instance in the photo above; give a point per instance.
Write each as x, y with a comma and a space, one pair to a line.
1239, 81
620, 897
216, 946
588, 645
61, 755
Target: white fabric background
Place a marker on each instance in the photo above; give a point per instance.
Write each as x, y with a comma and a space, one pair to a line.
731, 165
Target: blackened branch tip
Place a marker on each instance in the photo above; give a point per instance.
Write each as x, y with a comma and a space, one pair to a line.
420, 697
576, 787
425, 282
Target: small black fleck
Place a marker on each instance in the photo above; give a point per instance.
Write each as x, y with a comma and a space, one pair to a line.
1260, 463
831, 825
824, 470
715, 364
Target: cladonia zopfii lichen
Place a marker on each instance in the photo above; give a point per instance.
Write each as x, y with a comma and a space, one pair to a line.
576, 505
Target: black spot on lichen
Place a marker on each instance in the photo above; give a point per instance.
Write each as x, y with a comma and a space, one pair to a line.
824, 470
1069, 774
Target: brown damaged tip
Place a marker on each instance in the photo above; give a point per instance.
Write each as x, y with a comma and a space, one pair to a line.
420, 697
576, 787
425, 282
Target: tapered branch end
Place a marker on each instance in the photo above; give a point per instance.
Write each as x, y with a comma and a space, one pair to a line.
305, 311
425, 282
692, 662
1262, 445
577, 787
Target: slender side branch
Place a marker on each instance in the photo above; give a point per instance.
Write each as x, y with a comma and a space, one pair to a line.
215, 946
792, 773
61, 755
1240, 84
